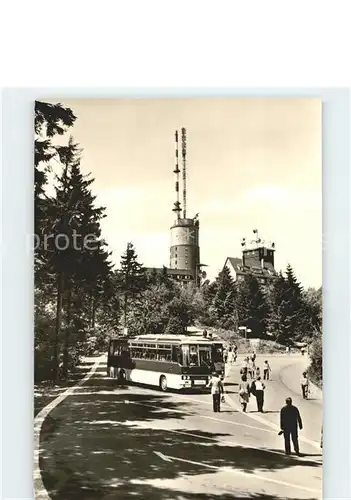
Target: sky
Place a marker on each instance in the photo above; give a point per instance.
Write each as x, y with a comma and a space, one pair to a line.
253, 163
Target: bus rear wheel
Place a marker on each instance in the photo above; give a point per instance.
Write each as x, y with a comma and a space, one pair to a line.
163, 383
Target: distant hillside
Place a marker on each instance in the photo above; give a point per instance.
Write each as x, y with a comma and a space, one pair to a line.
244, 346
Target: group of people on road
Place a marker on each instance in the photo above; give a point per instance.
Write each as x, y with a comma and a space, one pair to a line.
250, 369
230, 354
290, 418
257, 386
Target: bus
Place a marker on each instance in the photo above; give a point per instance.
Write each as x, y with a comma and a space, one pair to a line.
165, 361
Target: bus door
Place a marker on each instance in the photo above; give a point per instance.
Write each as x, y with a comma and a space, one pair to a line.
118, 354
217, 359
205, 356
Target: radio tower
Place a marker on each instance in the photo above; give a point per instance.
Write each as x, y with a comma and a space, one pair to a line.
184, 170
177, 208
184, 250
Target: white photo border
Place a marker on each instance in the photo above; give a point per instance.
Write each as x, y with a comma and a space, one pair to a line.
18, 276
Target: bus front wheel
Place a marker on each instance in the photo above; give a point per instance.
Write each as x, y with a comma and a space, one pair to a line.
163, 383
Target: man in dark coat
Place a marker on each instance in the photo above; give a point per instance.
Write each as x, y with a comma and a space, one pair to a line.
289, 420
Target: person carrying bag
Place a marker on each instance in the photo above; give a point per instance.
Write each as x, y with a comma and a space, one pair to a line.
257, 389
217, 391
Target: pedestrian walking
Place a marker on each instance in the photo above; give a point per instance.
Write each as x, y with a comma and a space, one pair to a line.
217, 391
225, 355
305, 384
257, 389
266, 370
245, 368
244, 392
252, 368
253, 360
257, 372
290, 420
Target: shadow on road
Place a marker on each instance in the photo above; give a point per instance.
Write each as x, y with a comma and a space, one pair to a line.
95, 446
47, 391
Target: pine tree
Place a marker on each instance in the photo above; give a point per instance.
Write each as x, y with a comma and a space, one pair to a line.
74, 255
175, 326
164, 279
109, 312
50, 120
152, 278
313, 311
252, 306
208, 292
181, 314
151, 312
278, 319
287, 316
224, 302
133, 279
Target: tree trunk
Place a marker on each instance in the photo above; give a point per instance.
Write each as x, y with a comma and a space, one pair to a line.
125, 308
93, 314
59, 300
67, 332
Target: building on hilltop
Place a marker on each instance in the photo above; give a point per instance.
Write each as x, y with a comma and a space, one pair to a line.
257, 261
181, 275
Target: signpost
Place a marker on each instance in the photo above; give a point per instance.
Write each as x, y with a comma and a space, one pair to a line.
246, 330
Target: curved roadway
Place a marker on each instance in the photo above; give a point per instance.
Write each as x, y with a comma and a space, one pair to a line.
106, 442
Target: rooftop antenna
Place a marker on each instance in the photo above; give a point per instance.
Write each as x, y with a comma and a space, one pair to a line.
177, 208
258, 239
184, 170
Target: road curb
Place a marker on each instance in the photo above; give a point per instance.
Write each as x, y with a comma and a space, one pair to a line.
40, 492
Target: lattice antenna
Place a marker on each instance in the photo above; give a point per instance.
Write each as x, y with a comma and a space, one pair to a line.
184, 170
176, 171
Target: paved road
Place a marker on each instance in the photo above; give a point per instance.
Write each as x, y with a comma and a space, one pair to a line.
106, 442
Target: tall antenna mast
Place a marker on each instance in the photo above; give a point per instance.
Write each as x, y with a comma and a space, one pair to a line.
184, 170
177, 208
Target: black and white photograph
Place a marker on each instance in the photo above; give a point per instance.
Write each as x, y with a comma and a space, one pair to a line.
178, 298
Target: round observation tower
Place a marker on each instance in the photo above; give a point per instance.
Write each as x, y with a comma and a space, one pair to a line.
185, 250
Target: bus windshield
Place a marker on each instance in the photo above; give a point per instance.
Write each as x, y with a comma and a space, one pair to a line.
118, 348
195, 355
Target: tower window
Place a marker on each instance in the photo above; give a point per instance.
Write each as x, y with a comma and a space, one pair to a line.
186, 262
175, 262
